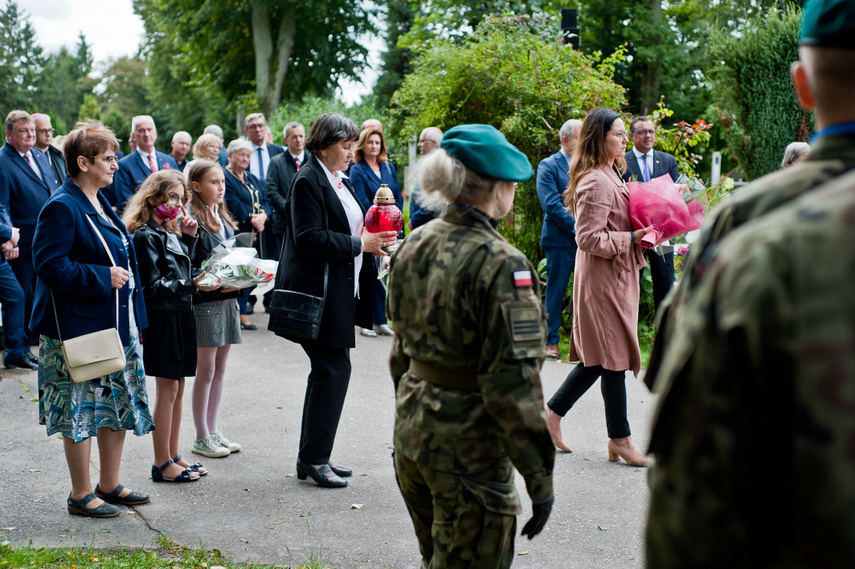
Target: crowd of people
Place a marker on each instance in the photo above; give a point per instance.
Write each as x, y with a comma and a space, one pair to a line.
753, 347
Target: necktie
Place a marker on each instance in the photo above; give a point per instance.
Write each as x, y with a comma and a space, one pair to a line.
260, 166
297, 163
32, 165
646, 169
151, 164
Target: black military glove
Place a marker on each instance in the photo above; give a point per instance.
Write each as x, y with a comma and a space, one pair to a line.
539, 515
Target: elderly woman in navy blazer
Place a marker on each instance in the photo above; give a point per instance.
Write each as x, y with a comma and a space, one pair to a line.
75, 291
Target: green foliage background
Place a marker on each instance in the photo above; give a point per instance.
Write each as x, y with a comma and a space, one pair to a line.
517, 75
754, 97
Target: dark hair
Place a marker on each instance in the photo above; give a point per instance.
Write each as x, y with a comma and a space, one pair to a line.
330, 129
89, 138
359, 149
590, 152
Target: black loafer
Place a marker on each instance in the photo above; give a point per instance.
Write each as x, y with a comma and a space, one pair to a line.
78, 508
21, 363
249, 326
319, 475
32, 358
341, 470
132, 499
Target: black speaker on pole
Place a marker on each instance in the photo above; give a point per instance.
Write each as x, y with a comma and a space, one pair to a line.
569, 27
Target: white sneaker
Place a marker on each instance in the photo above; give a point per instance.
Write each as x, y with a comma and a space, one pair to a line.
368, 332
209, 446
384, 330
226, 442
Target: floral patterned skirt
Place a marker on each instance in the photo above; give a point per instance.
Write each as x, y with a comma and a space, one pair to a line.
77, 410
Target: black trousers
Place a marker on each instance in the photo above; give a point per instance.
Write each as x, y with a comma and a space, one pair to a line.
324, 401
613, 388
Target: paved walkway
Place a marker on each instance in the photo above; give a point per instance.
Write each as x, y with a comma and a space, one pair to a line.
252, 507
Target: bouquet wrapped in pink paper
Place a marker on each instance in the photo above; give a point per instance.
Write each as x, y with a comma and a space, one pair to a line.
660, 203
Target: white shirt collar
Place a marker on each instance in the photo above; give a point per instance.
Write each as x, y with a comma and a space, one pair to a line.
144, 155
301, 156
639, 154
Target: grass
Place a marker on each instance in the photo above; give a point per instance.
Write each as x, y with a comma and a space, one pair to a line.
168, 555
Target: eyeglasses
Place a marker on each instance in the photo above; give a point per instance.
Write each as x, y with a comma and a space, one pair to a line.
427, 141
113, 159
621, 134
177, 199
255, 126
643, 132
45, 131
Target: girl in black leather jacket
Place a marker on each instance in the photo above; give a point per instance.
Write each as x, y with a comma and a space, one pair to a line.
164, 241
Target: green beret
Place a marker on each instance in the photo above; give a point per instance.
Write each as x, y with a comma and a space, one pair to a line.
485, 150
829, 23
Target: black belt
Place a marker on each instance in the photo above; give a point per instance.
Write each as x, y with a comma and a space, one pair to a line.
445, 377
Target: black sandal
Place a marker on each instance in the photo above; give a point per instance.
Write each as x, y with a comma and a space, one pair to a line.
132, 499
185, 476
78, 508
194, 467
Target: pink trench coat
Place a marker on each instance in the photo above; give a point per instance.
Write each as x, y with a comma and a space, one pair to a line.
605, 287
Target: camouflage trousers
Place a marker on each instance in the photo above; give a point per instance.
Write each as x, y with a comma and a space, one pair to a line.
461, 521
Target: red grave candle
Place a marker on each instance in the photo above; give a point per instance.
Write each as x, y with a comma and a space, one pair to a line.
384, 215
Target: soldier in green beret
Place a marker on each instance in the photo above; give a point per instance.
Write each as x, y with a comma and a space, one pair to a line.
470, 331
754, 359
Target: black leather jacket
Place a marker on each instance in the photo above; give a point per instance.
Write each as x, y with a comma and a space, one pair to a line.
207, 242
166, 274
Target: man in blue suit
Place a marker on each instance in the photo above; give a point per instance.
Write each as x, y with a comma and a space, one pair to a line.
31, 182
139, 164
643, 164
558, 236
12, 297
255, 129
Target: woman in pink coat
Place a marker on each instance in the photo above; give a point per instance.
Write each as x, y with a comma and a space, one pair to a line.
605, 289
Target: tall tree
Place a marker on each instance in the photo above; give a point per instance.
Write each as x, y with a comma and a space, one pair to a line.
246, 50
396, 59
64, 83
21, 59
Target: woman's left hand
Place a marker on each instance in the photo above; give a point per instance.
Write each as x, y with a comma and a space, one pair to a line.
205, 288
188, 224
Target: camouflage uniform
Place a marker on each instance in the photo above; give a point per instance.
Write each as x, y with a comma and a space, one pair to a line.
458, 309
830, 157
755, 437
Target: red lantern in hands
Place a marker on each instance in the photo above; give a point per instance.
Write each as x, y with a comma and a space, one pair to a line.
384, 215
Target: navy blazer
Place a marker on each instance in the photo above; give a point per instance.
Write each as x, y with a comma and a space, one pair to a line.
559, 225
131, 174
366, 183
25, 194
240, 199
74, 265
663, 163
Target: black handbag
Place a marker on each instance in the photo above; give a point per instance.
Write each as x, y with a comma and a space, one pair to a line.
295, 315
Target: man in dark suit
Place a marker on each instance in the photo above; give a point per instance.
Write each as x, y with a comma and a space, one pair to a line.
283, 168
31, 182
44, 142
181, 142
558, 235
139, 164
18, 353
255, 129
643, 164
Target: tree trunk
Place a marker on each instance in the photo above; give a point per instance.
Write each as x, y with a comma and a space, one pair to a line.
271, 67
652, 70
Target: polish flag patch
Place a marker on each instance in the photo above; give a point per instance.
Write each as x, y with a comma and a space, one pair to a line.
522, 279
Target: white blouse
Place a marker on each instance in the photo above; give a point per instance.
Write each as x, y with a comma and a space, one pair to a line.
354, 216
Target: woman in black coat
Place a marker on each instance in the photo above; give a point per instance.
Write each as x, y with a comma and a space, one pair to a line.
325, 220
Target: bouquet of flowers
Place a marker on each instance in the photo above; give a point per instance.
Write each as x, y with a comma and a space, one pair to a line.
234, 266
660, 204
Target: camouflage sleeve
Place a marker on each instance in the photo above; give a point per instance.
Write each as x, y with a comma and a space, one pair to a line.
514, 332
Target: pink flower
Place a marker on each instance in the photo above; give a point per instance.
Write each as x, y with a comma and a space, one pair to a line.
682, 250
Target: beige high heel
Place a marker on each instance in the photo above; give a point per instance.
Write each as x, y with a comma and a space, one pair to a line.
633, 456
